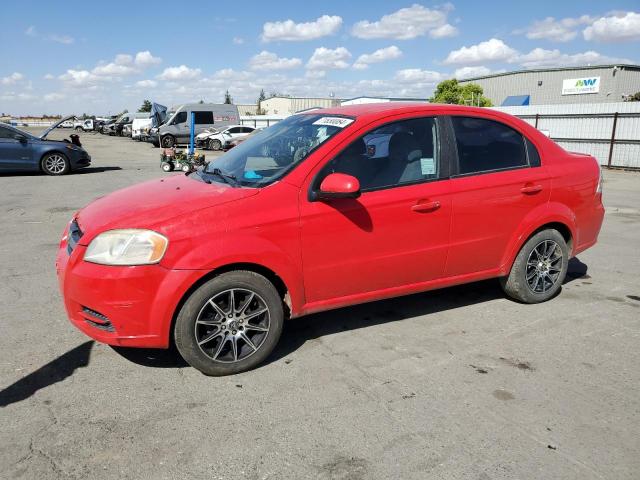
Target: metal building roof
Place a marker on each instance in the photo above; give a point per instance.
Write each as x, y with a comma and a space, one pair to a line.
557, 69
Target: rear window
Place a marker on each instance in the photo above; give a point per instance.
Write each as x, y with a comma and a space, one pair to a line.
486, 145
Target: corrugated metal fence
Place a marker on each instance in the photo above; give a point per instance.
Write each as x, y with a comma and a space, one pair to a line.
608, 131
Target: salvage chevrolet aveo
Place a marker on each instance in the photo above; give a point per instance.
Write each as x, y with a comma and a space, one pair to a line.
326, 209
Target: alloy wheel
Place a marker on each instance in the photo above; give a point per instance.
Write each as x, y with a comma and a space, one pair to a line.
232, 325
55, 163
544, 266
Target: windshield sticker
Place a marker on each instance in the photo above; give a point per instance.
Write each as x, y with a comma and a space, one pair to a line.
339, 122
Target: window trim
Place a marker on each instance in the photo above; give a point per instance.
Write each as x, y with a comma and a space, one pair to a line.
456, 158
314, 185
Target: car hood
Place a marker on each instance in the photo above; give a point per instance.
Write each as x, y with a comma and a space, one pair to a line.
152, 204
44, 134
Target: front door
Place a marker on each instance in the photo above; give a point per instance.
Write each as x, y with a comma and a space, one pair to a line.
14, 154
396, 233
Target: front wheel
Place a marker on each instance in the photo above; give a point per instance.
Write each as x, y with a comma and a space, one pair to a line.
55, 164
539, 269
168, 141
230, 324
215, 144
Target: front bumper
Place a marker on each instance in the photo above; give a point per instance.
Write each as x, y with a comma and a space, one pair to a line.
122, 306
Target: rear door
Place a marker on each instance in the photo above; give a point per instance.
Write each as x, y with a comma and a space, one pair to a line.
203, 120
497, 182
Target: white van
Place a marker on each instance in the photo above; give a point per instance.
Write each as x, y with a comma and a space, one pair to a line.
140, 128
177, 129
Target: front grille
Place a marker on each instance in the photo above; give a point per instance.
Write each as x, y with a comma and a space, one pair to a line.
97, 319
74, 236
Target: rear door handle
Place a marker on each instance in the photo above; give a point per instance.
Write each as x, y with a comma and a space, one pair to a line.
426, 206
527, 189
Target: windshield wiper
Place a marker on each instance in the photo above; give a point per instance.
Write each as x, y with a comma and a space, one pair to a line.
226, 177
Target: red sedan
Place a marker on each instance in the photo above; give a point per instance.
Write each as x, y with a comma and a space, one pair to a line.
326, 209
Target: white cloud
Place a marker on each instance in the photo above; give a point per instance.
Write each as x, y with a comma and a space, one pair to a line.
114, 69
558, 30
79, 78
623, 27
31, 31
11, 79
180, 73
270, 61
146, 83
406, 23
53, 97
492, 50
145, 59
539, 58
64, 39
381, 55
288, 30
470, 72
444, 31
418, 76
238, 41
48, 76
329, 59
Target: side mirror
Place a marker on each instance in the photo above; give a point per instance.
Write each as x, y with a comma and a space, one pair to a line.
21, 138
339, 185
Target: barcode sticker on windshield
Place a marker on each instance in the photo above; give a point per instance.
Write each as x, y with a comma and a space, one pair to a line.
339, 122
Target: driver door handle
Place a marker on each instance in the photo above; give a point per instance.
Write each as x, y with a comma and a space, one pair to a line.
424, 207
530, 188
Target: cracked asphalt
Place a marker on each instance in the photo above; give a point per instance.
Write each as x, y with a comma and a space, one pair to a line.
453, 384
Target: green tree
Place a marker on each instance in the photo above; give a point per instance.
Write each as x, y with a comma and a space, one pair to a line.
201, 101
227, 98
450, 91
261, 98
145, 107
633, 98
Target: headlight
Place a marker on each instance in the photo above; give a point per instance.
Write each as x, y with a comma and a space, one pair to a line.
127, 247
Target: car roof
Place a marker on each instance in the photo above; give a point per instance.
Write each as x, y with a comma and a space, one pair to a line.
374, 110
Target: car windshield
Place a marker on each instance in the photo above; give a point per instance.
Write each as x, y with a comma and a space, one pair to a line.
271, 153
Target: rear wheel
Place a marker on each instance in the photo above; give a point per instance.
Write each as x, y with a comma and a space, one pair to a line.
186, 168
539, 269
168, 141
166, 167
215, 144
230, 324
55, 164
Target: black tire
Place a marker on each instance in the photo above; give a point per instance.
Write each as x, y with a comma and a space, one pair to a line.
188, 327
215, 144
186, 168
78, 129
166, 167
55, 163
168, 141
534, 279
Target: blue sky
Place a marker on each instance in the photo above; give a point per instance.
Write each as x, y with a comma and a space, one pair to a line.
103, 57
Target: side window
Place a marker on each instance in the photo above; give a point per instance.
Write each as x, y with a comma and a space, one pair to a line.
234, 130
395, 154
247, 129
485, 145
204, 118
5, 133
532, 154
181, 117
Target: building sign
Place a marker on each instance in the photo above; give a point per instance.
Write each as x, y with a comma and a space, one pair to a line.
579, 86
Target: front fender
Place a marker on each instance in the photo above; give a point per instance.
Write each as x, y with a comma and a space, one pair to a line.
552, 212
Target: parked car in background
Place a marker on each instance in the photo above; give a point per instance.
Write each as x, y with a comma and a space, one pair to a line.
21, 151
108, 128
302, 218
66, 124
234, 142
177, 127
86, 125
140, 128
126, 130
216, 138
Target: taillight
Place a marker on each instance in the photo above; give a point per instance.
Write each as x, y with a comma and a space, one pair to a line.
599, 187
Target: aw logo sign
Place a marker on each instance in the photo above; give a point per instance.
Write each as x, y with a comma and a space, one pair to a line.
580, 86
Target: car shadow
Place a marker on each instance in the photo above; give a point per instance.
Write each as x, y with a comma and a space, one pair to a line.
299, 331
53, 372
82, 171
152, 357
